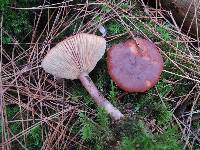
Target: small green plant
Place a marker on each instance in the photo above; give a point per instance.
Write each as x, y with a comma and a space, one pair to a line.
114, 27
163, 116
4, 4
113, 91
94, 132
105, 9
15, 127
164, 88
17, 23
169, 139
11, 111
124, 5
164, 33
87, 127
127, 144
35, 138
102, 78
102, 118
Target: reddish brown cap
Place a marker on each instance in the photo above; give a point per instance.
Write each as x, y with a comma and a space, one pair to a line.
135, 66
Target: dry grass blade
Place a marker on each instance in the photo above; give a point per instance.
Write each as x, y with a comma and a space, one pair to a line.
1, 88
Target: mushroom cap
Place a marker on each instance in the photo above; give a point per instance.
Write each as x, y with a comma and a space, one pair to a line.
135, 66
74, 55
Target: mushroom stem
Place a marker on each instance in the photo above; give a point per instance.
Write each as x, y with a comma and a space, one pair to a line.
98, 97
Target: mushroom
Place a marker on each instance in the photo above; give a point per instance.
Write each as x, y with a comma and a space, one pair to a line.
74, 58
135, 66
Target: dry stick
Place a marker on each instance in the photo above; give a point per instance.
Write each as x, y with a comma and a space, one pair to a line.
190, 121
68, 24
196, 6
181, 27
196, 22
62, 136
52, 32
10, 131
50, 135
56, 136
20, 107
181, 126
54, 7
1, 89
3, 119
33, 51
174, 22
181, 102
98, 98
36, 25
179, 30
45, 119
84, 15
186, 77
190, 79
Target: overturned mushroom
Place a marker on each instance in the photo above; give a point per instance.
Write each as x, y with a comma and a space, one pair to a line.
135, 66
74, 58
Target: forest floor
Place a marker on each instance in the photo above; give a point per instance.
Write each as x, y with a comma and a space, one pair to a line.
39, 111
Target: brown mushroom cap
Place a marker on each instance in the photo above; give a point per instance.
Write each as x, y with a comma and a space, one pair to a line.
74, 55
135, 66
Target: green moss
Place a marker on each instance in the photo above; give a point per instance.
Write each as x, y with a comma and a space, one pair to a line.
114, 27
135, 135
102, 118
11, 111
169, 139
88, 127
127, 144
16, 23
164, 88
164, 33
35, 138
113, 92
4, 4
105, 9
15, 127
95, 131
128, 134
196, 123
124, 5
163, 115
